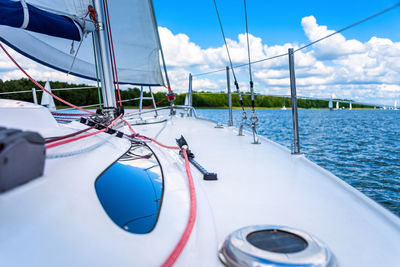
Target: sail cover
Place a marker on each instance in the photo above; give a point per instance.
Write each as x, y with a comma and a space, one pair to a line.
25, 16
135, 38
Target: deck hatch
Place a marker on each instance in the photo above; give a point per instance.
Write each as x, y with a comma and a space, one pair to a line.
277, 241
131, 190
274, 245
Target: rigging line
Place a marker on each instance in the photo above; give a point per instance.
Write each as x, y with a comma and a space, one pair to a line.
97, 71
350, 26
80, 151
171, 95
38, 84
76, 54
223, 36
310, 44
230, 62
249, 57
209, 72
241, 65
66, 141
248, 43
58, 138
112, 53
172, 258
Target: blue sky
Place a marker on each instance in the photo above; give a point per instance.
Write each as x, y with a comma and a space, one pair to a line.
276, 22
362, 63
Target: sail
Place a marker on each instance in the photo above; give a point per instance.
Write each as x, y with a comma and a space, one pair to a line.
134, 32
48, 100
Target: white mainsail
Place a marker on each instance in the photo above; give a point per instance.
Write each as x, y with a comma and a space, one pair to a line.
135, 36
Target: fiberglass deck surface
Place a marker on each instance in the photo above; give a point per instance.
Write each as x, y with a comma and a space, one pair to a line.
265, 184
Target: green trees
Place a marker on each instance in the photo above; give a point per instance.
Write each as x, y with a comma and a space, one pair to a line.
90, 96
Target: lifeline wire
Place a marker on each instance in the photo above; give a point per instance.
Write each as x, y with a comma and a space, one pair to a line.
230, 62
350, 26
310, 44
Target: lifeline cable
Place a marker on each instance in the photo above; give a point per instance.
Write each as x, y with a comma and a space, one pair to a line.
230, 62
41, 87
155, 104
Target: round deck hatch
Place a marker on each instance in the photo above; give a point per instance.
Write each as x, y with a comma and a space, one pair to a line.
272, 245
277, 241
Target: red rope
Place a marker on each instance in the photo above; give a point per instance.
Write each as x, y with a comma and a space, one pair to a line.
170, 261
112, 50
41, 87
58, 138
68, 114
158, 143
156, 103
130, 127
66, 141
92, 13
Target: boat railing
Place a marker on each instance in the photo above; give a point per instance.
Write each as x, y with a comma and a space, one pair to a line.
253, 124
292, 79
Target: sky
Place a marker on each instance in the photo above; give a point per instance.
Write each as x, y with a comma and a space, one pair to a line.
362, 63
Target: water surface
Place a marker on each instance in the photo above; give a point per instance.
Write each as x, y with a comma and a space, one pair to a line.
362, 147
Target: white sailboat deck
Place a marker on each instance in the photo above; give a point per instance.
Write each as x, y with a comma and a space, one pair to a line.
265, 184
57, 219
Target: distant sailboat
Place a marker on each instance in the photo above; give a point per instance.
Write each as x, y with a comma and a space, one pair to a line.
283, 108
350, 106
330, 104
337, 105
47, 100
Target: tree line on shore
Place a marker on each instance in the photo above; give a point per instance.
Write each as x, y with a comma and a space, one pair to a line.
91, 96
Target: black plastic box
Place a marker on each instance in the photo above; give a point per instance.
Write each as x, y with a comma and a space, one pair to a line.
22, 157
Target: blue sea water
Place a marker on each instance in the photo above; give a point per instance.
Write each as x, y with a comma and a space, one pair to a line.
362, 147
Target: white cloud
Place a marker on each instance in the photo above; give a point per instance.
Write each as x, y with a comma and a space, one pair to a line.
366, 71
333, 47
9, 71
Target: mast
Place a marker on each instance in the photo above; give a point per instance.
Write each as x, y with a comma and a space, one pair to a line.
101, 40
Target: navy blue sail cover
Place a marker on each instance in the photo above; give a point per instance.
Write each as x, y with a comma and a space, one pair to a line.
12, 14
